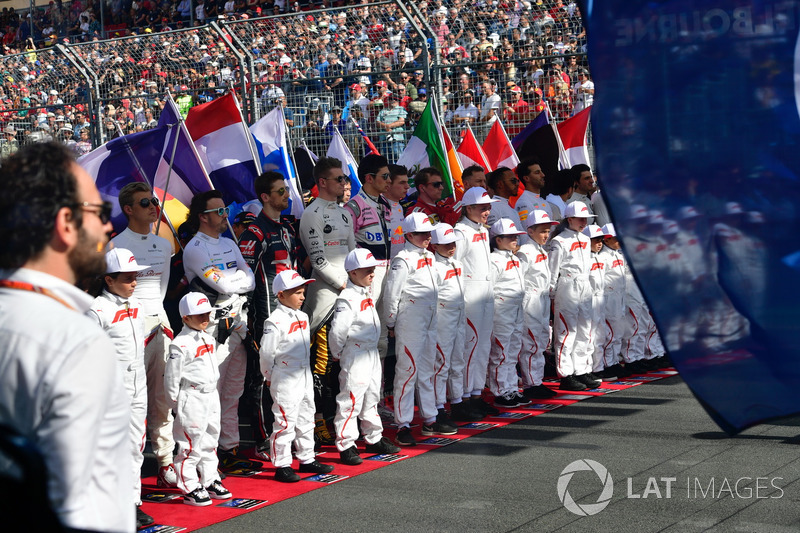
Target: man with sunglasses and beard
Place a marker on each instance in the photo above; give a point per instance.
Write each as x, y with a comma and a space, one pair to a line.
215, 266
141, 209
326, 230
270, 245
430, 186
60, 388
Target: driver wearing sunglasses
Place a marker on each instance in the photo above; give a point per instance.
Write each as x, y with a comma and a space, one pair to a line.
215, 266
137, 203
431, 186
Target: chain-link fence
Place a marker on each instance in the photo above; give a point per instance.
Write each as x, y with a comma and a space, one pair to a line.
371, 65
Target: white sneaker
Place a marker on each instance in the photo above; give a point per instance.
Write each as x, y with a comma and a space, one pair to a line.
218, 492
167, 477
198, 497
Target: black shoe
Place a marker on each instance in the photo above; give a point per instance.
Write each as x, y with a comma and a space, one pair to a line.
286, 475
315, 467
217, 492
142, 519
230, 460
506, 401
521, 400
634, 368
587, 380
461, 412
539, 392
607, 375
443, 418
479, 406
382, 446
571, 383
350, 456
404, 437
662, 362
198, 497
438, 428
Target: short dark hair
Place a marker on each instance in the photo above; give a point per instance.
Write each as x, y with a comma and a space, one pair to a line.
37, 182
470, 170
579, 169
127, 192
370, 164
495, 176
563, 181
323, 165
397, 170
524, 166
199, 204
423, 175
263, 183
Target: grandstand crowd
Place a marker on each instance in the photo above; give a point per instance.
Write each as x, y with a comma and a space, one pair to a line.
366, 63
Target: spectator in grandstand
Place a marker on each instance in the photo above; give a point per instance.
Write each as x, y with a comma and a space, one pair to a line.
466, 112
393, 121
583, 92
490, 104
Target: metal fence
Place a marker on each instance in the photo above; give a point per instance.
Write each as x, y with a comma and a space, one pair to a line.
371, 65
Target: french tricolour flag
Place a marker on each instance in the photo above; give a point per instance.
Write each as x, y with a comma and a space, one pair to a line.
270, 135
225, 146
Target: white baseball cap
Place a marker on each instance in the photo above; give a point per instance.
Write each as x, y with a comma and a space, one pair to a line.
577, 209
194, 303
609, 230
287, 280
755, 217
477, 195
593, 231
122, 260
638, 211
443, 234
670, 227
417, 222
505, 226
360, 258
538, 217
687, 212
656, 217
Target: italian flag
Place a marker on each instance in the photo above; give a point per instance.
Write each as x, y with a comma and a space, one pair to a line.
427, 148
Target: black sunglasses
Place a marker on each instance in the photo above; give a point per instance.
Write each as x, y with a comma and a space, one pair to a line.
437, 184
340, 179
146, 202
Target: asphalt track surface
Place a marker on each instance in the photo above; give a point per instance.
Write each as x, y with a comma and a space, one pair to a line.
506, 479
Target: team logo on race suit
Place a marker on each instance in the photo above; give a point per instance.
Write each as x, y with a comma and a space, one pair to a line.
577, 246
456, 272
617, 263
512, 264
424, 262
540, 258
204, 349
248, 248
597, 266
478, 237
674, 256
366, 304
642, 246
328, 228
661, 247
122, 314
299, 325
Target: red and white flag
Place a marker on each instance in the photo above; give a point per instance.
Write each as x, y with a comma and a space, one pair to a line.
470, 152
573, 136
498, 148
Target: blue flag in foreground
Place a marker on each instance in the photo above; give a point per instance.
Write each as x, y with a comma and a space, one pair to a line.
695, 108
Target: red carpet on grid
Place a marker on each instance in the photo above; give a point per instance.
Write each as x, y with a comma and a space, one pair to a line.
171, 514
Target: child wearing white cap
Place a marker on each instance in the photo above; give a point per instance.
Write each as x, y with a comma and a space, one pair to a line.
473, 252
597, 282
451, 323
353, 341
410, 306
120, 314
536, 305
509, 291
190, 382
285, 363
570, 262
615, 291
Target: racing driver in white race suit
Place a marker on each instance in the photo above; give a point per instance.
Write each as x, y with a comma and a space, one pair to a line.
215, 266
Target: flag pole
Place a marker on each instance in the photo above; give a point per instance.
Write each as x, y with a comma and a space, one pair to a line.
290, 149
563, 159
439, 127
161, 211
